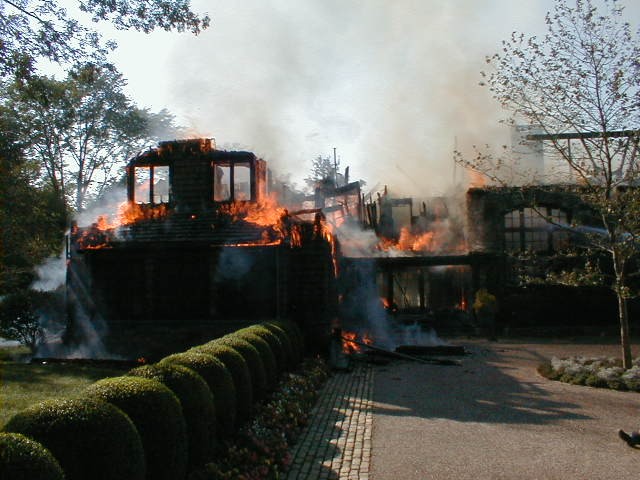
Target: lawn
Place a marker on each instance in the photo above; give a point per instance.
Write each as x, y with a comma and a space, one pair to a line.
23, 384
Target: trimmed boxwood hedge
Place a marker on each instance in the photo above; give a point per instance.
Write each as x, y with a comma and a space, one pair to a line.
197, 407
294, 332
274, 342
287, 343
254, 362
24, 459
266, 354
220, 383
90, 438
239, 370
157, 414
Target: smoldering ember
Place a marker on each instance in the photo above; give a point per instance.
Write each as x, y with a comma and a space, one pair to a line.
206, 241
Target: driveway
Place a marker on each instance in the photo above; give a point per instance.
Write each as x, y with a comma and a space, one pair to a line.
496, 418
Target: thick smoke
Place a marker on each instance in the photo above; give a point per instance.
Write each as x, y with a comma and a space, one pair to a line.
390, 84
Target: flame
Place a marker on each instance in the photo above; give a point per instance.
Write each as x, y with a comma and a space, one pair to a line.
265, 213
434, 241
129, 213
477, 179
351, 341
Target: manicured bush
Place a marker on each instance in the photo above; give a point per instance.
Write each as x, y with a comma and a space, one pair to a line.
220, 382
157, 414
24, 459
254, 362
197, 407
90, 438
287, 343
239, 370
274, 342
294, 332
266, 354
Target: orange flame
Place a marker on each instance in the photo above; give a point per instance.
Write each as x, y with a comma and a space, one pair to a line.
351, 340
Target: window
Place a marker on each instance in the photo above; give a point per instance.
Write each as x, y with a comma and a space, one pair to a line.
526, 229
231, 181
151, 184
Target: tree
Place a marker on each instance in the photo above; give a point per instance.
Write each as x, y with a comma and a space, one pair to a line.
323, 170
31, 30
580, 86
32, 219
82, 129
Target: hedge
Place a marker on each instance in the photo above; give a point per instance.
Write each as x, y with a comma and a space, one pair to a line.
197, 407
157, 414
239, 370
254, 362
220, 382
89, 438
274, 342
294, 332
287, 343
24, 459
266, 354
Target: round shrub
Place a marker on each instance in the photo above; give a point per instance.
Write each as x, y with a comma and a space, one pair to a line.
254, 362
274, 342
197, 407
157, 414
294, 332
266, 354
24, 459
220, 382
287, 343
89, 438
239, 370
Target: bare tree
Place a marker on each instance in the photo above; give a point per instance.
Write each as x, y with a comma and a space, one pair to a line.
580, 86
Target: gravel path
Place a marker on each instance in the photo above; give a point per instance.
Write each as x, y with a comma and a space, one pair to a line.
496, 418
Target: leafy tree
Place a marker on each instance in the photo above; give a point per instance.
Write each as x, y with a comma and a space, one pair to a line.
32, 220
580, 86
82, 129
323, 170
40, 29
19, 318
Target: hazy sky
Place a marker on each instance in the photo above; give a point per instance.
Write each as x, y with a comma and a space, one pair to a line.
391, 85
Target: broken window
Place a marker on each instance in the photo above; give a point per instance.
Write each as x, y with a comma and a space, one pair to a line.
151, 184
231, 181
529, 229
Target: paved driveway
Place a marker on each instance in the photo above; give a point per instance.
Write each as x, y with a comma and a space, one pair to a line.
496, 418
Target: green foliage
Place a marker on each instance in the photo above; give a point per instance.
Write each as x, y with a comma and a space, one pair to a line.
25, 459
32, 219
157, 415
197, 407
89, 438
261, 449
19, 318
219, 380
292, 352
274, 343
485, 303
41, 29
254, 362
239, 370
266, 354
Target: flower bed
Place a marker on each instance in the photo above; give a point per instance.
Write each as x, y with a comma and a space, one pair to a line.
260, 450
598, 372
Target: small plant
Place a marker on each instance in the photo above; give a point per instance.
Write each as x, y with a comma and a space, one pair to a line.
197, 407
220, 383
24, 459
89, 438
597, 372
157, 415
239, 370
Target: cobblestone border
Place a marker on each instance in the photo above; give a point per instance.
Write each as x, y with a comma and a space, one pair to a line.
337, 443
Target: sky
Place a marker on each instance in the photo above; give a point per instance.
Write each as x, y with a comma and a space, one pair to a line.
392, 86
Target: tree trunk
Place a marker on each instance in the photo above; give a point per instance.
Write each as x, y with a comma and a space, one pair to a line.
625, 341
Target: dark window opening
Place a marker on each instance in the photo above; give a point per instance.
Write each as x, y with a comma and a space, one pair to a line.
526, 229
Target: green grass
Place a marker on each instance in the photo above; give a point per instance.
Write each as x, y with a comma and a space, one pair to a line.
23, 384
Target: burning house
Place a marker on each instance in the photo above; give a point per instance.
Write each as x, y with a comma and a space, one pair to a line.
198, 247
